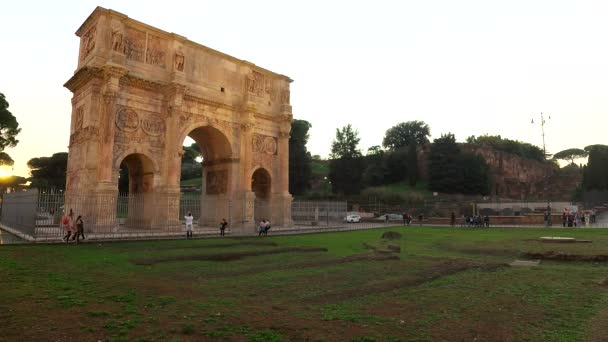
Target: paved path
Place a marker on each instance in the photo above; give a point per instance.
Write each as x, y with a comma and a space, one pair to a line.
54, 234
8, 239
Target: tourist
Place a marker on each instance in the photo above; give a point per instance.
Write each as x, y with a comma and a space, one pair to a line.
420, 219
189, 221
564, 217
223, 225
68, 225
486, 220
453, 219
264, 227
404, 215
79, 228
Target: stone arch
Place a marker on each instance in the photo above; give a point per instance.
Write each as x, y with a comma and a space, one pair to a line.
218, 171
138, 206
151, 162
216, 131
143, 172
144, 99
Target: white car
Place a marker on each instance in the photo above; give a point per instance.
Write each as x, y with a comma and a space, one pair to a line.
352, 218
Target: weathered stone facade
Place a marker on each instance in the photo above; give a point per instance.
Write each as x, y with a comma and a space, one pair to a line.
515, 177
138, 92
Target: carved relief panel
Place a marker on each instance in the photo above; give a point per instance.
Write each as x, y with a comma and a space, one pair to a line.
156, 51
217, 182
264, 150
87, 42
135, 44
138, 127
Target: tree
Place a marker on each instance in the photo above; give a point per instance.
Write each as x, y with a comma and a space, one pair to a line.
595, 174
345, 144
48, 172
12, 182
452, 171
406, 134
300, 160
346, 165
9, 128
571, 154
444, 173
375, 170
191, 166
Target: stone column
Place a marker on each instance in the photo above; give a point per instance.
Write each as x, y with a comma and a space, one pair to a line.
169, 192
281, 199
244, 202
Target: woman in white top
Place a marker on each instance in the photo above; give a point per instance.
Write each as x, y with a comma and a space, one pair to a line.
189, 220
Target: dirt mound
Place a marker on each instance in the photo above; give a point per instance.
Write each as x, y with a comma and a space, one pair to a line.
225, 256
391, 235
560, 256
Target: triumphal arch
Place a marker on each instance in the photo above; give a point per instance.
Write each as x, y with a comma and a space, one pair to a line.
138, 92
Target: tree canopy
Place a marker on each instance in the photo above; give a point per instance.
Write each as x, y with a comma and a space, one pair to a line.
346, 165
452, 171
48, 172
519, 148
9, 128
405, 134
571, 154
595, 174
346, 143
300, 160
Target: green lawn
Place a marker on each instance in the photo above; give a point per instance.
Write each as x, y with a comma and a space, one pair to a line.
445, 284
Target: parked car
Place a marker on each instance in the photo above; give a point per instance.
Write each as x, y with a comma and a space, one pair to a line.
391, 217
352, 218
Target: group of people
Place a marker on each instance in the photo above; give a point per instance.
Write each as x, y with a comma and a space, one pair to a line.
577, 218
407, 219
190, 222
74, 228
478, 220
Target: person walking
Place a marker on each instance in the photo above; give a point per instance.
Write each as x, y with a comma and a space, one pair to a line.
68, 225
189, 221
453, 219
223, 225
79, 228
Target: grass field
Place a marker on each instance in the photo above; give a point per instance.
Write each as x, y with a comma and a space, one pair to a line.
445, 284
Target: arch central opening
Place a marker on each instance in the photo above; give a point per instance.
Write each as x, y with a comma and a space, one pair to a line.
135, 207
261, 187
206, 167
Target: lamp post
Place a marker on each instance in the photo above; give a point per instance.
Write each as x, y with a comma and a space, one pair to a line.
542, 127
545, 177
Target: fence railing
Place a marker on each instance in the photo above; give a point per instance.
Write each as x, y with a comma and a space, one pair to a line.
39, 214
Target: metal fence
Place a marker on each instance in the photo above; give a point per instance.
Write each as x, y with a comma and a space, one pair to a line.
38, 214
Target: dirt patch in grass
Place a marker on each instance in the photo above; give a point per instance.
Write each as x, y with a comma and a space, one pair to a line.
221, 245
561, 256
312, 264
434, 272
597, 327
225, 256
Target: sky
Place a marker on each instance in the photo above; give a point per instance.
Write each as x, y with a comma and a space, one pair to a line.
465, 67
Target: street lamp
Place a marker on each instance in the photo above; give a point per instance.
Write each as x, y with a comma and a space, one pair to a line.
545, 177
542, 126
